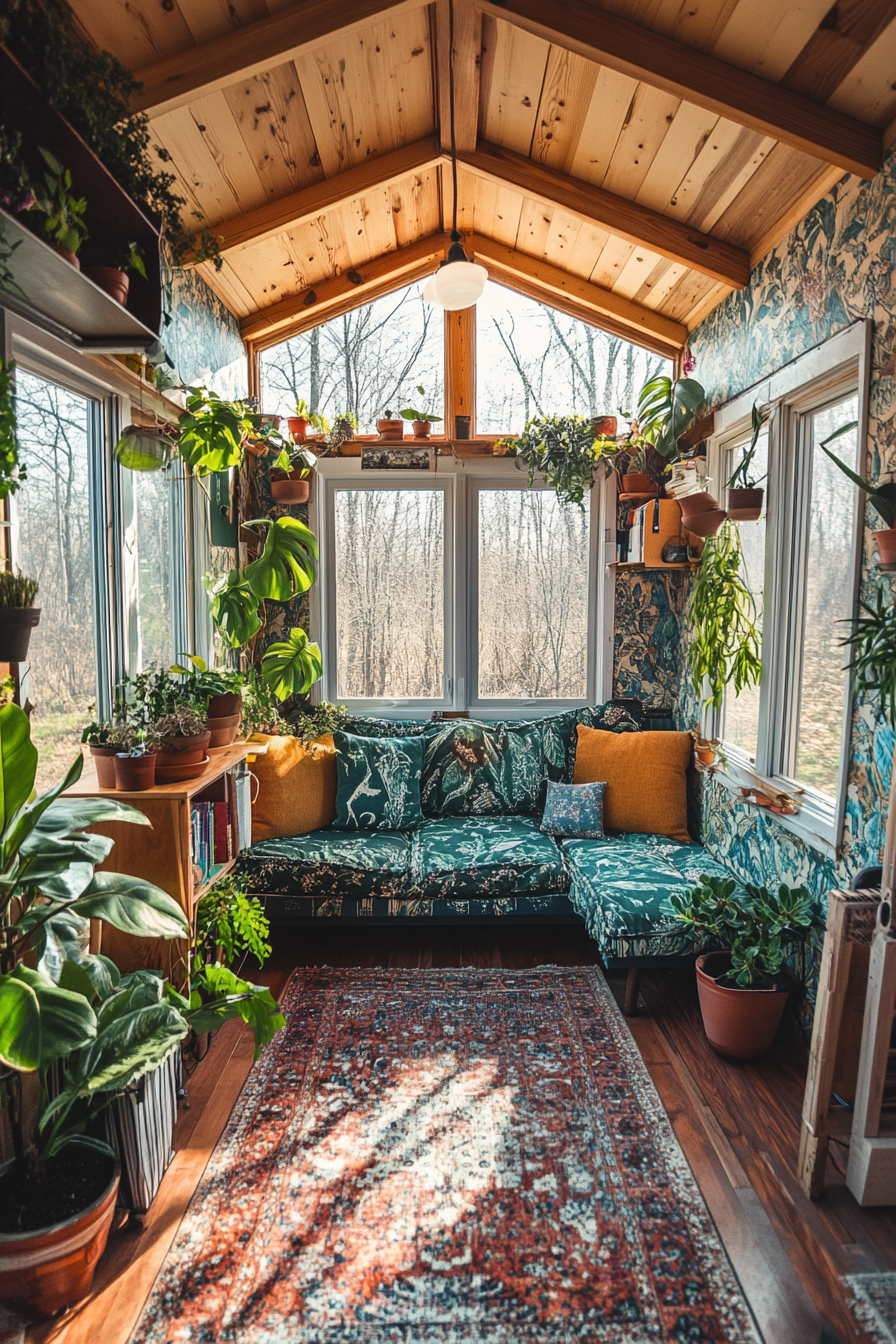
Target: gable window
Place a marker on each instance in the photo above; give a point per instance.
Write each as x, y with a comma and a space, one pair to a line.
801, 564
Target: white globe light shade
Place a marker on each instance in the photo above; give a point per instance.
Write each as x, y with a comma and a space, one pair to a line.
455, 285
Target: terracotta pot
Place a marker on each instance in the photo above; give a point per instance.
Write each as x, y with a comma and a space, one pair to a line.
886, 545
706, 755
390, 429
16, 624
69, 256
298, 427
222, 706
706, 524
223, 730
638, 483
745, 506
43, 1272
699, 503
183, 750
176, 769
133, 773
738, 1022
422, 429
604, 426
104, 760
288, 488
115, 282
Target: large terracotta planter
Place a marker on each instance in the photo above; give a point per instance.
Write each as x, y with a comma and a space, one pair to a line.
298, 427
104, 761
738, 1022
116, 283
638, 483
886, 545
16, 624
134, 773
43, 1272
745, 506
183, 750
390, 429
222, 706
289, 487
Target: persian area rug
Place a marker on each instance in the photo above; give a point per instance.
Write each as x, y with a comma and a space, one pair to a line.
874, 1304
442, 1157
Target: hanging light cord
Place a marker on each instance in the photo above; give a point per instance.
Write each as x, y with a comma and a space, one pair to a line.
455, 236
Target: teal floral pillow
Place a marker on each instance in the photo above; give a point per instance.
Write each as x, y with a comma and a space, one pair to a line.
377, 782
575, 811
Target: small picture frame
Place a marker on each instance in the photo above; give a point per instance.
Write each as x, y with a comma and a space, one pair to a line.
386, 457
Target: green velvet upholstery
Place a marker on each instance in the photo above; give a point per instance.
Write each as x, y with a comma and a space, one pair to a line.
463, 857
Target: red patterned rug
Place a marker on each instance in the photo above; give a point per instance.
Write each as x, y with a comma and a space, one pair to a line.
439, 1157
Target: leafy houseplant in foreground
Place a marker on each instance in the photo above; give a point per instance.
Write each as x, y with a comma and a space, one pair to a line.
18, 614
292, 666
743, 989
724, 648
561, 448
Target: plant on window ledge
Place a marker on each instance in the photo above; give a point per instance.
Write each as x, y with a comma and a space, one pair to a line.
561, 449
881, 497
743, 485
724, 649
423, 421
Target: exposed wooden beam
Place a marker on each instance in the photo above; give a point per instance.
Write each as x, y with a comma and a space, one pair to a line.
467, 60
697, 77
300, 206
178, 80
589, 302
344, 291
627, 219
839, 42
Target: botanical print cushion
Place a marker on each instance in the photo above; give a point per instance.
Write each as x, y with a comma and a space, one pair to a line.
377, 782
574, 810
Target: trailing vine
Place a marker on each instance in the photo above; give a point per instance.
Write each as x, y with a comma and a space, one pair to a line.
12, 472
725, 642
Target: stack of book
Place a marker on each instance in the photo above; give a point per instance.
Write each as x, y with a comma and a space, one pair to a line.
213, 835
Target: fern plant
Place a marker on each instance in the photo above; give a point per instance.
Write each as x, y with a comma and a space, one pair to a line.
231, 924
724, 649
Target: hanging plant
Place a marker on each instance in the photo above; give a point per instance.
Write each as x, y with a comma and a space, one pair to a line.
212, 431
561, 448
12, 472
667, 409
724, 649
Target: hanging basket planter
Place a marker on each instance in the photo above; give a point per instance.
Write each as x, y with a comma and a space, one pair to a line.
143, 449
700, 502
638, 483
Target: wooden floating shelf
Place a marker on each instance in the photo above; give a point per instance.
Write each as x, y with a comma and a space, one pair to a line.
639, 564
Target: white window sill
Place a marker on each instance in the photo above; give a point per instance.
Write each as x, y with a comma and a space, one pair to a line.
816, 822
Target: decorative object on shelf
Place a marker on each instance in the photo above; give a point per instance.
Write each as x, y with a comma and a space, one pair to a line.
292, 666
561, 449
462, 426
724, 649
12, 471
390, 427
143, 449
667, 410
375, 457
63, 226
18, 615
422, 421
115, 279
745, 495
881, 497
67, 1013
743, 990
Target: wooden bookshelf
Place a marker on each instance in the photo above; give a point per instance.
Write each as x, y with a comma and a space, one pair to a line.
161, 853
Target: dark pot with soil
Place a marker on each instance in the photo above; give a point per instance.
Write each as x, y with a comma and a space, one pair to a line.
65, 1216
18, 614
183, 750
745, 505
116, 283
135, 773
740, 1023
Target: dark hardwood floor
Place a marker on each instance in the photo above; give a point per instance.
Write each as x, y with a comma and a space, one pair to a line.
738, 1126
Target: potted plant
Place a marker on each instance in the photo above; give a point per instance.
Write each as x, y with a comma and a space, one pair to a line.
191, 247
291, 475
873, 643
292, 666
422, 421
605, 451
637, 480
303, 420
18, 615
390, 427
882, 497
115, 279
221, 689
744, 988
561, 448
724, 647
68, 1013
311, 722
63, 226
183, 741
745, 496
604, 426
212, 431
104, 747
339, 438
667, 410
135, 761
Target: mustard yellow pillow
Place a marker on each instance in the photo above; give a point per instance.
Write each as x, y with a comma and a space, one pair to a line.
645, 775
296, 788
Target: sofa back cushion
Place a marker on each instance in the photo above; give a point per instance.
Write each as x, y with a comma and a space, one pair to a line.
471, 768
296, 788
646, 779
377, 782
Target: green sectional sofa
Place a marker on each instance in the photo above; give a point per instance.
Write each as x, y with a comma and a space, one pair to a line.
480, 856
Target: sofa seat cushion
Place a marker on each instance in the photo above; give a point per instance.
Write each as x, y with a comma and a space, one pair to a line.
621, 888
330, 864
456, 858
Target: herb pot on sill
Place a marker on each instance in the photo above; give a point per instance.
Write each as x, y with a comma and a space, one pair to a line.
104, 761
16, 624
705, 524
116, 283
705, 755
289, 488
422, 429
638, 483
134, 773
298, 427
44, 1271
745, 506
738, 1022
222, 706
886, 545
390, 429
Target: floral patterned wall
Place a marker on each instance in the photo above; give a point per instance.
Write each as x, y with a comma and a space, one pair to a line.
202, 337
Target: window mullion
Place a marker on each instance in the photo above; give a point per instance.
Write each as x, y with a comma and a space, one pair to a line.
791, 663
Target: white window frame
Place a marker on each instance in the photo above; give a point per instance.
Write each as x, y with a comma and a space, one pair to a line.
839, 367
462, 480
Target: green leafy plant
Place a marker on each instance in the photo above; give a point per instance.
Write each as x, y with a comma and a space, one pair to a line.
667, 409
212, 431
295, 460
182, 721
606, 453
315, 420
218, 994
873, 641
63, 213
291, 667
235, 609
742, 477
16, 589
725, 644
130, 258
881, 497
287, 565
12, 471
231, 924
343, 430
261, 709
204, 681
411, 414
759, 927
98, 734
561, 448
190, 247
309, 722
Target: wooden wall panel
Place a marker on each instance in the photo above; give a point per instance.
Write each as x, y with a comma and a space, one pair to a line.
270, 114
460, 367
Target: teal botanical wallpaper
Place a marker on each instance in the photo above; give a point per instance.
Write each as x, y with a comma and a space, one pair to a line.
201, 336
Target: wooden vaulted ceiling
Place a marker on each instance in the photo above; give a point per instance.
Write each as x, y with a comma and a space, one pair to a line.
628, 160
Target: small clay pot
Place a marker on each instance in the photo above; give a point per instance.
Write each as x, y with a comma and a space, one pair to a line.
68, 255
183, 750
116, 283
422, 429
886, 545
745, 506
298, 427
604, 426
699, 503
289, 488
224, 705
738, 1022
135, 773
705, 755
104, 762
638, 483
706, 524
223, 730
390, 429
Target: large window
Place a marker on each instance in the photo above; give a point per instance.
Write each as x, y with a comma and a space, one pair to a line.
801, 565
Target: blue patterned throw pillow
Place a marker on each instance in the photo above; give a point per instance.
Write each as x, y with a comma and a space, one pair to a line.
377, 782
574, 810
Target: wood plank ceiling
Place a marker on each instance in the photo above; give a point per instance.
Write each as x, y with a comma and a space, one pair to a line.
627, 178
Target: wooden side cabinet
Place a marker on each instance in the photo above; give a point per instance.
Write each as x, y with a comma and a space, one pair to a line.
162, 853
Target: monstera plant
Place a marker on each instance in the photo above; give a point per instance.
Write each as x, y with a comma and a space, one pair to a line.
292, 666
286, 567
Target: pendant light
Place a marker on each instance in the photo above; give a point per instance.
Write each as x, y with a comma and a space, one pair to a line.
458, 282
